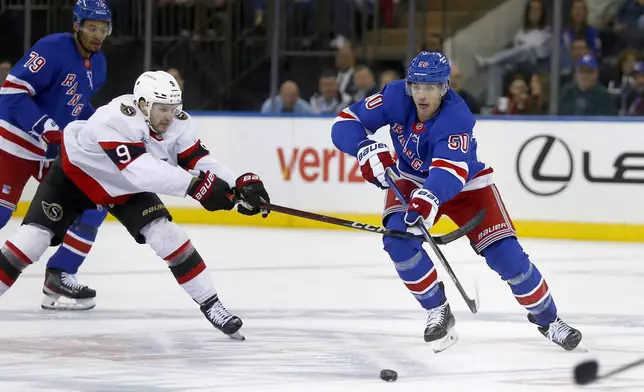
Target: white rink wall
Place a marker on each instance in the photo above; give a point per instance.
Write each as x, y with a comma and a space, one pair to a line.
569, 171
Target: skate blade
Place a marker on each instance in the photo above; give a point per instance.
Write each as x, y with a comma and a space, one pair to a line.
237, 336
579, 349
446, 342
53, 302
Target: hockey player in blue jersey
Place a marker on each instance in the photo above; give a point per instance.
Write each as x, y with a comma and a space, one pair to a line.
47, 89
440, 174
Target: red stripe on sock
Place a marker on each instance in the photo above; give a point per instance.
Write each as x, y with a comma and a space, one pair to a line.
76, 244
423, 284
181, 249
14, 249
192, 273
534, 297
6, 279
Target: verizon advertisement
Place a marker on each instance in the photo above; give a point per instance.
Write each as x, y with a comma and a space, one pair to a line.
546, 171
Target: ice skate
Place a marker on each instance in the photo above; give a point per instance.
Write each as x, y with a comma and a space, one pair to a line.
221, 318
560, 333
63, 292
440, 330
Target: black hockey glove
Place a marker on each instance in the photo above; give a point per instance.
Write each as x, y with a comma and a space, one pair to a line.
213, 193
250, 193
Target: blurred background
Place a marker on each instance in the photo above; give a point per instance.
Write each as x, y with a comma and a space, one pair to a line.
518, 57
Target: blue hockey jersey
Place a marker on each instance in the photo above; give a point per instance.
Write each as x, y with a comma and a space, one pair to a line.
52, 79
439, 153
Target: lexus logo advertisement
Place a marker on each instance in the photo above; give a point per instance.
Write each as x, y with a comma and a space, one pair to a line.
545, 166
538, 165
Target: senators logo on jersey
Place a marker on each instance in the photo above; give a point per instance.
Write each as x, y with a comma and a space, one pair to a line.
129, 111
181, 115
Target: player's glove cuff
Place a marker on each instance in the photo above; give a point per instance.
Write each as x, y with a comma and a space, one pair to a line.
423, 207
374, 158
46, 129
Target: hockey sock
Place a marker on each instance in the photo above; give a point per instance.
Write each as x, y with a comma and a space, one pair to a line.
23, 248
189, 270
187, 266
413, 265
77, 242
5, 214
530, 289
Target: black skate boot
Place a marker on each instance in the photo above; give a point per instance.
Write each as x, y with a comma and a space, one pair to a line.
440, 326
61, 285
560, 333
221, 319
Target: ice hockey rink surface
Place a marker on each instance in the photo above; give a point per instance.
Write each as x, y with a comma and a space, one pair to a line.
322, 311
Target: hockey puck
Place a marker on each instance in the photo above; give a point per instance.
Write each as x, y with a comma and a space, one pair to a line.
388, 375
586, 372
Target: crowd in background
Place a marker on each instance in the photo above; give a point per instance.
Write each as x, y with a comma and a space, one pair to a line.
601, 67
601, 59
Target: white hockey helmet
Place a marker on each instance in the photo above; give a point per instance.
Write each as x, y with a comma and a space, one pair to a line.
157, 87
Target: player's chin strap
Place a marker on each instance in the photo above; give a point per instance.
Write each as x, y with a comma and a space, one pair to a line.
147, 114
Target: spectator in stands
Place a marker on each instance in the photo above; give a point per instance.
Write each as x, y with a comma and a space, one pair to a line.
620, 79
586, 97
345, 62
456, 83
531, 46
329, 100
578, 49
578, 27
629, 23
387, 77
518, 101
633, 102
5, 67
531, 43
288, 101
540, 92
600, 13
629, 15
364, 82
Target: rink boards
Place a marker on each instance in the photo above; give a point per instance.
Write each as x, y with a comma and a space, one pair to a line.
559, 179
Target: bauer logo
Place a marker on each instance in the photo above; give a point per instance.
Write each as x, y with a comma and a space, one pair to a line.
150, 210
544, 165
53, 211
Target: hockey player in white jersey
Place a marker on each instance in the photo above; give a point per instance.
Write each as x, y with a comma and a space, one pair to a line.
121, 157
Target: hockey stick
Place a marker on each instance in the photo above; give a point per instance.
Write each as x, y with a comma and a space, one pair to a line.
586, 372
472, 303
441, 240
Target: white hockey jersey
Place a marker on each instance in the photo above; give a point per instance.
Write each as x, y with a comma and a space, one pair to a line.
114, 154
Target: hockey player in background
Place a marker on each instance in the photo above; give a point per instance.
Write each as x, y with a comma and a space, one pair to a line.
440, 174
129, 150
48, 88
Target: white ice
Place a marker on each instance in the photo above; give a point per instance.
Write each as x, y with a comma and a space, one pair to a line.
322, 311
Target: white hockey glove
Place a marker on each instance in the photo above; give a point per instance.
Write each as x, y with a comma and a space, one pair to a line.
374, 159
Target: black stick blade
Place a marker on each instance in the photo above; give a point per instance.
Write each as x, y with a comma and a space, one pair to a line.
586, 372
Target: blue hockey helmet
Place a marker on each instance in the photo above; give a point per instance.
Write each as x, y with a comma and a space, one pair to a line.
429, 67
92, 10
